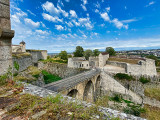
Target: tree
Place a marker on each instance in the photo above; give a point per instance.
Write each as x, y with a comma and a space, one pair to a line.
78, 52
63, 55
96, 52
87, 54
111, 51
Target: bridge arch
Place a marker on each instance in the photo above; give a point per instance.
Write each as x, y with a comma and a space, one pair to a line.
73, 93
97, 87
88, 94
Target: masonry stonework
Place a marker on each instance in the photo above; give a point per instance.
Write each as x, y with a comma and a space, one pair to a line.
6, 35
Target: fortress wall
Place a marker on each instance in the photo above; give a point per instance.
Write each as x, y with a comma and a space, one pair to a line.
38, 55
119, 64
23, 62
59, 69
103, 59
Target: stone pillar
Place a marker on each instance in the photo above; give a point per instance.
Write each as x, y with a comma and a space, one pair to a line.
6, 35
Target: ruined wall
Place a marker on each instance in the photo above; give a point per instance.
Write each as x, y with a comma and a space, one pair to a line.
6, 35
103, 59
146, 67
23, 62
38, 55
59, 69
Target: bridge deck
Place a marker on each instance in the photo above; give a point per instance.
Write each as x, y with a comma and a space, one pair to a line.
70, 82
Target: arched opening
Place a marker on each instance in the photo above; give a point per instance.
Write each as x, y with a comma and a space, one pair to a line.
97, 88
88, 94
73, 93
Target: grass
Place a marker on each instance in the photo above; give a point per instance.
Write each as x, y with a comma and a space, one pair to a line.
122, 76
34, 71
152, 113
153, 92
56, 108
102, 101
131, 61
55, 60
49, 78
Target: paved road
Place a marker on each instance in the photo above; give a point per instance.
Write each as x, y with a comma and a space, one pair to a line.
70, 82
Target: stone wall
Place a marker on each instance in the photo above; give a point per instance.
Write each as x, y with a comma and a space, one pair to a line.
38, 55
23, 62
59, 69
145, 67
103, 59
6, 35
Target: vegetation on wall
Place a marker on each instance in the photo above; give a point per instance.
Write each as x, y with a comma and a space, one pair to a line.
122, 76
49, 78
55, 60
144, 80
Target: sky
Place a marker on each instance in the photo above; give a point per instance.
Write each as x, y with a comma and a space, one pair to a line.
57, 25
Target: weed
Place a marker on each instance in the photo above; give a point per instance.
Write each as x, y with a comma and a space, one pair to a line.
122, 76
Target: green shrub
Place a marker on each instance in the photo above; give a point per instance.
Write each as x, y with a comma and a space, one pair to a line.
48, 78
144, 80
116, 98
134, 109
122, 76
16, 65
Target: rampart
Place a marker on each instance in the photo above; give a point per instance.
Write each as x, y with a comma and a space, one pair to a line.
59, 69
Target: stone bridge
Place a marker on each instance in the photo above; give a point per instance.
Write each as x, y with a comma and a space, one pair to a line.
84, 86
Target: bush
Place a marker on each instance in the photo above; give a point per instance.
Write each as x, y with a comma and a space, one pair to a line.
122, 76
49, 78
134, 110
144, 80
116, 98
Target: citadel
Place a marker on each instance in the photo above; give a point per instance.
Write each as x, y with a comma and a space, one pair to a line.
82, 79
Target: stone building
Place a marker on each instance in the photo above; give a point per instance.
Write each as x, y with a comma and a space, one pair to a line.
81, 62
19, 48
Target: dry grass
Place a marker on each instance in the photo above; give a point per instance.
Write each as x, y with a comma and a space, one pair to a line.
153, 92
131, 61
34, 70
20, 55
152, 113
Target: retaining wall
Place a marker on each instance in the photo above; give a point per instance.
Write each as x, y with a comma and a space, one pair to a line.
59, 69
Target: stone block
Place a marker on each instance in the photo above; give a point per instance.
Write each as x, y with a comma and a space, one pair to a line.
6, 54
5, 23
5, 11
5, 2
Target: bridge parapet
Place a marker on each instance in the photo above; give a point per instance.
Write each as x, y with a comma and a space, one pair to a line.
70, 82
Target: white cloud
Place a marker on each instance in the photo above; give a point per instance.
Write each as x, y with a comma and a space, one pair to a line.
59, 27
96, 11
76, 23
51, 18
31, 22
85, 22
69, 24
105, 16
151, 3
119, 24
84, 2
97, 5
49, 7
84, 7
129, 20
108, 9
31, 13
42, 32
15, 18
73, 13
67, 0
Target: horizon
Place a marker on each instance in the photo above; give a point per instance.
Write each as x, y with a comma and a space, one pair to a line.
64, 24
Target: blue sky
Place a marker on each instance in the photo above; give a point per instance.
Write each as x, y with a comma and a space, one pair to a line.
57, 25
